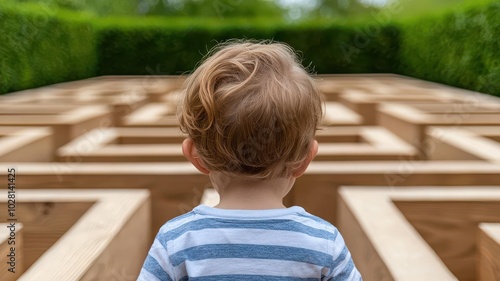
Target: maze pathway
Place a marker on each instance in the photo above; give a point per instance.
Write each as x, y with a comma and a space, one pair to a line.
379, 131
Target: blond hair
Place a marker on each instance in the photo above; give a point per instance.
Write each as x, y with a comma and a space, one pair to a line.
251, 110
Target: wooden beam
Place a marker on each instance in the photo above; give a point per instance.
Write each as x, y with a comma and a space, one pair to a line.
12, 251
26, 144
109, 240
416, 231
489, 252
451, 143
66, 126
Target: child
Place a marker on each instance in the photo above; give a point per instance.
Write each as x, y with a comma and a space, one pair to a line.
250, 112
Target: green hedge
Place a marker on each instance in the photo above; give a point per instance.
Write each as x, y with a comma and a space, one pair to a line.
45, 46
460, 49
162, 47
41, 46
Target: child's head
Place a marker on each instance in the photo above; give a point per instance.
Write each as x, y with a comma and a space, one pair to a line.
251, 110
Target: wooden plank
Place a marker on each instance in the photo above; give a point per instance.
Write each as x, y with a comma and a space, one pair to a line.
445, 219
365, 256
141, 145
461, 144
337, 114
489, 252
343, 134
179, 185
23, 144
124, 105
175, 188
405, 122
366, 216
152, 115
65, 126
136, 153
149, 135
98, 243
12, 251
44, 223
164, 145
463, 107
450, 228
360, 102
410, 123
35, 109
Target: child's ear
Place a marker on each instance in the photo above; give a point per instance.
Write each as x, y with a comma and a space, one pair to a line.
189, 150
310, 156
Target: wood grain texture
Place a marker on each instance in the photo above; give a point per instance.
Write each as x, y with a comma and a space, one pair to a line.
44, 223
371, 144
359, 102
489, 252
26, 144
390, 248
407, 124
450, 228
66, 125
5, 249
164, 145
350, 154
176, 189
462, 144
180, 184
365, 256
425, 223
108, 242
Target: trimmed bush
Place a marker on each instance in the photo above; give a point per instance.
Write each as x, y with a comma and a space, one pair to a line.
163, 47
41, 46
461, 49
159, 47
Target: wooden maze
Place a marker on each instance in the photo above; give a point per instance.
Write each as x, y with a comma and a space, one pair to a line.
408, 170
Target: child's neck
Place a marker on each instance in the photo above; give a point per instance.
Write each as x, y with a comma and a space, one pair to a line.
254, 195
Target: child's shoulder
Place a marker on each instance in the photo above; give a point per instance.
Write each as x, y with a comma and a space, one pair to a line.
315, 218
317, 221
177, 222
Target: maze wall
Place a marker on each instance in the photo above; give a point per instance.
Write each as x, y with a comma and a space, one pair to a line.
77, 234
423, 233
387, 133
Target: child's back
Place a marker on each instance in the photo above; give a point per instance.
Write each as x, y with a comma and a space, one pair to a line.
278, 244
250, 112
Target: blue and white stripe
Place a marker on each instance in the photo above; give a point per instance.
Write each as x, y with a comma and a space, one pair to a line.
215, 244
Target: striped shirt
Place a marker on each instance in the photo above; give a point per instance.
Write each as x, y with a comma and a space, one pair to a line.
210, 244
